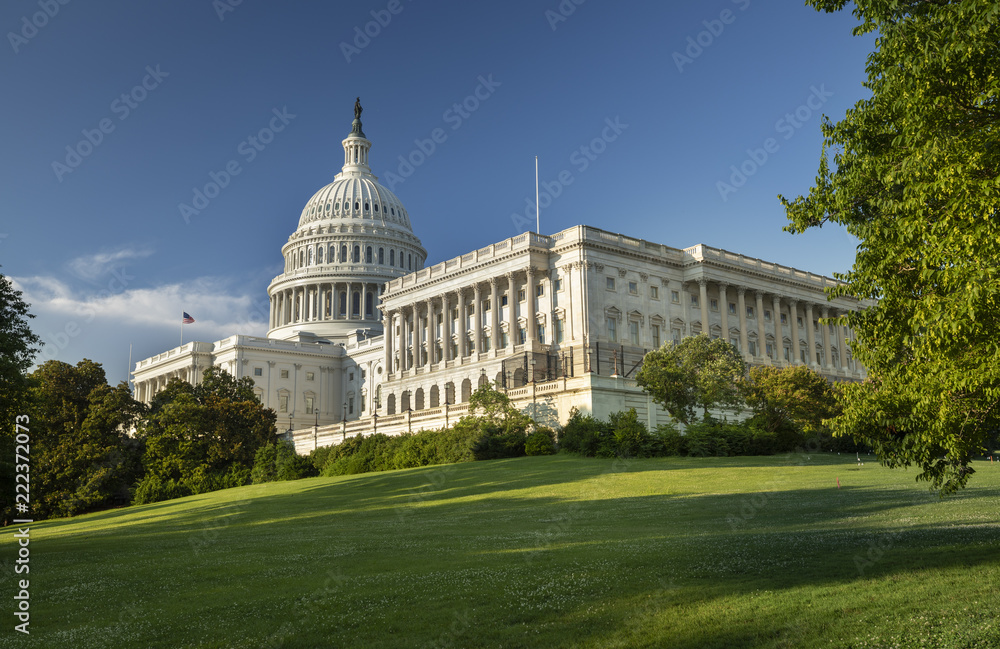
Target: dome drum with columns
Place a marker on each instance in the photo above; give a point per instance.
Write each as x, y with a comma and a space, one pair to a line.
354, 235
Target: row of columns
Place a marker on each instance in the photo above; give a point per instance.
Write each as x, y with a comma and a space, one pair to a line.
421, 319
842, 333
324, 301
147, 389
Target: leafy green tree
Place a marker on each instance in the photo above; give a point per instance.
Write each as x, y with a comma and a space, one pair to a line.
791, 399
695, 373
83, 456
206, 436
495, 409
915, 177
18, 346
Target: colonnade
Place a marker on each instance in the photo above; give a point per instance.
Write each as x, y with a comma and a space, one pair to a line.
323, 301
147, 389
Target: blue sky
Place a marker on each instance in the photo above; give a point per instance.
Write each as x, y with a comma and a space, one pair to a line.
116, 112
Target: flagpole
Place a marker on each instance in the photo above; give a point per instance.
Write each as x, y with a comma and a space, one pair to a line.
538, 229
182, 330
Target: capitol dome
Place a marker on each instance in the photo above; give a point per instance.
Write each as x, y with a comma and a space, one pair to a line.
353, 236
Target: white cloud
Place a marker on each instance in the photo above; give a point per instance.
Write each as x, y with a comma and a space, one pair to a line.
91, 267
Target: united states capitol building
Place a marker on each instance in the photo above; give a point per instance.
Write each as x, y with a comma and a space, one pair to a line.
364, 336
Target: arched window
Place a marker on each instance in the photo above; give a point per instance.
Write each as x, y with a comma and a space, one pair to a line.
392, 257
402, 261
356, 304
357, 254
319, 255
368, 255
381, 256
310, 255
369, 301
343, 304
302, 258
409, 261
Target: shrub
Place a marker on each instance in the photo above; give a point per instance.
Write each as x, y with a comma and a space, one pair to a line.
582, 434
152, 489
279, 461
540, 442
668, 441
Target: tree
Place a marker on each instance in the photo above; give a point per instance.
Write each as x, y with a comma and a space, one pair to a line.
915, 177
791, 399
204, 437
494, 409
695, 373
18, 346
83, 456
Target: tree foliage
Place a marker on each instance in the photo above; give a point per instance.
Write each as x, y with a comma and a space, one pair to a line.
82, 455
695, 373
914, 176
18, 346
793, 397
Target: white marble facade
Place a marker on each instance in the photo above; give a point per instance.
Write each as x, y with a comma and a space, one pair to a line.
360, 329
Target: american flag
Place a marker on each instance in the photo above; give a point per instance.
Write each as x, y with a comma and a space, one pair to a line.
187, 319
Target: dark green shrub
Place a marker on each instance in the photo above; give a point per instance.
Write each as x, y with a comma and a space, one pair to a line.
279, 461
152, 489
540, 442
668, 441
582, 434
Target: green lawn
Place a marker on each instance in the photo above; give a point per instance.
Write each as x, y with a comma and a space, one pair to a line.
535, 552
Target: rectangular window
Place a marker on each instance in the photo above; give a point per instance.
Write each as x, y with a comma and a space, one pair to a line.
714, 304
694, 300
675, 297
309, 405
503, 300
675, 335
560, 330
258, 371
633, 288
818, 361
610, 283
802, 355
769, 349
732, 308
350, 376
654, 292
310, 376
767, 315
815, 325
749, 311
784, 318
735, 342
284, 374
612, 330
486, 343
753, 347
283, 403
655, 331
540, 290
504, 339
350, 405
558, 284
522, 335
520, 295
541, 333
798, 321
788, 353
486, 305
633, 332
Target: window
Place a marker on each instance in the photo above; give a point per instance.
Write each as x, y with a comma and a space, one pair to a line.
788, 353
319, 256
816, 325
749, 311
732, 308
713, 304
767, 315
309, 405
654, 292
675, 335
753, 347
503, 300
363, 374
675, 297
350, 376
485, 343
802, 355
560, 330
557, 284
612, 330
522, 335
381, 256
633, 332
769, 348
369, 302
520, 295
633, 288
539, 290
357, 254
735, 342
541, 333
282, 403
504, 339
258, 371
310, 376
610, 282
784, 319
392, 257
694, 300
655, 331
368, 255
310, 256
409, 261
284, 374
343, 254
798, 321
350, 405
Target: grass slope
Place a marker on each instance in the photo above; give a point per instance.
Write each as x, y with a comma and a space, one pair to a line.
535, 552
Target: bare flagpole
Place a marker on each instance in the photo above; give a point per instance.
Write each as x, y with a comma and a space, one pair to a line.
537, 211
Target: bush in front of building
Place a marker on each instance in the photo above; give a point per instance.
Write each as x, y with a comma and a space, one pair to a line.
540, 442
278, 461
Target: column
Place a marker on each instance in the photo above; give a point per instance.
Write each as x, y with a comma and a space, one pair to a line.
810, 336
724, 311
761, 332
404, 348
511, 311
387, 336
827, 358
742, 308
461, 326
322, 302
529, 302
429, 340
841, 331
477, 311
794, 324
703, 301
778, 344
495, 314
446, 327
